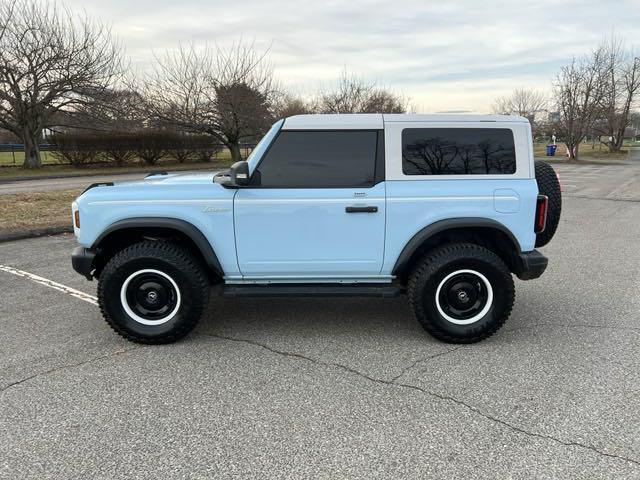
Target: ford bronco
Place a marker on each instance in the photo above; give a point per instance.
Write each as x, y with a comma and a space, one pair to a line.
440, 208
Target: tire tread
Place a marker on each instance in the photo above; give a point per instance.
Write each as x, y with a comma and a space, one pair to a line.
431, 263
548, 185
174, 254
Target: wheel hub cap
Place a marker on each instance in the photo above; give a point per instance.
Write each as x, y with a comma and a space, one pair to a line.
464, 296
150, 297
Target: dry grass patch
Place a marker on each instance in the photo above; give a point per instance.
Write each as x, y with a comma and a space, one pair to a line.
28, 211
587, 151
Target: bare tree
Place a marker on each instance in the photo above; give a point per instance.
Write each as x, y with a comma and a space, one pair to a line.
223, 93
113, 109
578, 91
622, 83
50, 62
354, 95
523, 102
289, 105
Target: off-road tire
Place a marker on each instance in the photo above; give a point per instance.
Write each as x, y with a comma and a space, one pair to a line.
548, 185
171, 260
432, 271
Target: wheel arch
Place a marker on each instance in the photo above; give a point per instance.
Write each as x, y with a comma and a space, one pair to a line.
483, 231
130, 230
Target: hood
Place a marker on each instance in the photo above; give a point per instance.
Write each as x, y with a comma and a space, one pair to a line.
169, 186
173, 179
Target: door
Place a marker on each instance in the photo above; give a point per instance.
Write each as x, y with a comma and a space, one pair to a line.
315, 207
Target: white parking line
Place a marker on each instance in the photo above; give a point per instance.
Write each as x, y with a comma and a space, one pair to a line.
51, 284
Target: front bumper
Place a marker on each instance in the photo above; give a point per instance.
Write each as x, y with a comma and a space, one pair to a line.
82, 261
530, 265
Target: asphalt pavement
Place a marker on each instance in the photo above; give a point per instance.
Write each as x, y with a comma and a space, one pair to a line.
332, 388
11, 187
611, 182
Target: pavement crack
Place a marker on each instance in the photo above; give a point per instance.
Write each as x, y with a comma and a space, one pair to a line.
515, 428
441, 397
424, 359
67, 366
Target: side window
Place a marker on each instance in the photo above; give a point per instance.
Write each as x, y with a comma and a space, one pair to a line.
458, 151
310, 159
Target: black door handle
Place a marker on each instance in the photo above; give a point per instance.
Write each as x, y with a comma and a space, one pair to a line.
361, 209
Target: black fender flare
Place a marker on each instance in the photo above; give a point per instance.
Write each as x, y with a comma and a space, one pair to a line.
182, 226
448, 224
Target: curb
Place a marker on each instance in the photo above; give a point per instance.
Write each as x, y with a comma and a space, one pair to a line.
34, 233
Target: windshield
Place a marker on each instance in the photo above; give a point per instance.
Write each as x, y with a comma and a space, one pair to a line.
263, 144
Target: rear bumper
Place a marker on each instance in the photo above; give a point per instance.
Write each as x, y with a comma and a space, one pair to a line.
82, 261
530, 265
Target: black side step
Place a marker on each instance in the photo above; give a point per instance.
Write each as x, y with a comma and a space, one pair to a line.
312, 290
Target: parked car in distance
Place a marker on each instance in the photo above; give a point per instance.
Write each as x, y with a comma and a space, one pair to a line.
444, 209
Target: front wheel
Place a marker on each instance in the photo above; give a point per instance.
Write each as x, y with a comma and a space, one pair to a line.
153, 292
461, 293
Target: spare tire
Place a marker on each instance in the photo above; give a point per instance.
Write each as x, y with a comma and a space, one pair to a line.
548, 185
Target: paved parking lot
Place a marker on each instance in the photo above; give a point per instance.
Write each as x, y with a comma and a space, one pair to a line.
333, 388
613, 182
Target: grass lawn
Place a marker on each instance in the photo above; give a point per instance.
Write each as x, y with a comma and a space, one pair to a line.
26, 211
222, 161
17, 158
587, 151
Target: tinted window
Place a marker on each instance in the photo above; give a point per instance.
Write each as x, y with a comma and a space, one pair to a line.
320, 159
458, 151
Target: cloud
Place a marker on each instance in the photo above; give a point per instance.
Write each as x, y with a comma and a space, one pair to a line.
446, 55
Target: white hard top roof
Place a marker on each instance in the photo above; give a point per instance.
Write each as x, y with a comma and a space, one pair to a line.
375, 121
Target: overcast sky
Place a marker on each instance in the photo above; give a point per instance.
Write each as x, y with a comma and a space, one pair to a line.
444, 55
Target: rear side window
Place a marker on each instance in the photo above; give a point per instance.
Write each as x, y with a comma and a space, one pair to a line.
307, 159
458, 151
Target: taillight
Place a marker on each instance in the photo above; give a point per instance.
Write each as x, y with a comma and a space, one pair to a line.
542, 204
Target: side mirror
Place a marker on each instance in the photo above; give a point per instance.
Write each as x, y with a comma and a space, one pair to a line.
239, 173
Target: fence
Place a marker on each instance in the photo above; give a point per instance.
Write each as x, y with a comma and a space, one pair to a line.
13, 154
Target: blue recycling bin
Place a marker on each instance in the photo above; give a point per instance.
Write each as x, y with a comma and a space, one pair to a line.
551, 150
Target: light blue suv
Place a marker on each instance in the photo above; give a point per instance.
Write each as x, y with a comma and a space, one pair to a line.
442, 208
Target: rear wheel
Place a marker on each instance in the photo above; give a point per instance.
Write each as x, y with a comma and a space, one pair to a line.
549, 185
153, 292
461, 293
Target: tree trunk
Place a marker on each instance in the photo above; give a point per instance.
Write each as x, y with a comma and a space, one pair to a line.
31, 151
572, 150
234, 148
617, 144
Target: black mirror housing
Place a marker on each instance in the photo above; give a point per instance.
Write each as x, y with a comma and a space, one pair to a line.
239, 173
